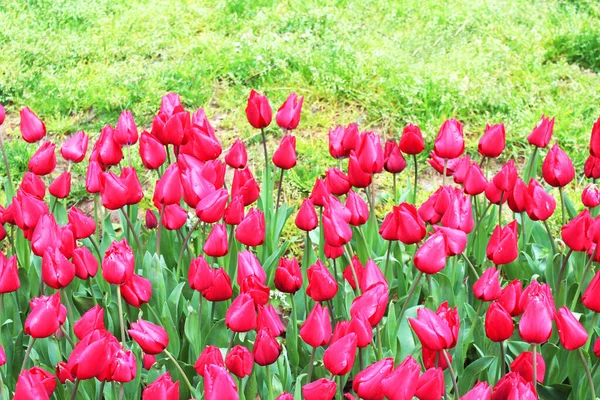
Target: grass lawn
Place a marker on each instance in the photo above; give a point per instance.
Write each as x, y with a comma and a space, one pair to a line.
78, 63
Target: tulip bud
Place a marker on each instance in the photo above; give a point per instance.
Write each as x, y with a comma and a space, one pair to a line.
163, 388
337, 182
510, 297
503, 245
9, 274
288, 276
428, 259
266, 348
393, 160
63, 374
32, 128
93, 177
540, 135
535, 325
487, 287
449, 142
47, 314
288, 115
2, 114
356, 176
209, 356
218, 384
118, 263
126, 132
220, 288
493, 141
336, 149
367, 383
411, 141
212, 207
152, 152
150, 220
570, 331
93, 319
401, 383
431, 330
339, 356
514, 386
168, 188
369, 152
590, 197
241, 315
475, 182
430, 385
557, 168
216, 242
31, 386
321, 284
239, 361
258, 110
285, 155
57, 270
245, 185
148, 361
113, 191
152, 338
136, 291
316, 329
498, 323
43, 161
523, 365
322, 389
75, 148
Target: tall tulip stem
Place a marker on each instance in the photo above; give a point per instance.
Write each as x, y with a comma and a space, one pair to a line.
534, 371
502, 359
451, 370
264, 140
416, 179
75, 387
231, 340
27, 352
532, 164
500, 210
310, 364
387, 258
444, 173
464, 256
184, 246
562, 269
121, 322
159, 229
551, 237
279, 190
270, 382
5, 159
587, 372
410, 294
394, 187
587, 268
185, 378
131, 228
563, 205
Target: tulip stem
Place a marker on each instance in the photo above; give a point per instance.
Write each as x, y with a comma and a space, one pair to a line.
562, 270
379, 343
500, 209
587, 372
451, 370
119, 302
184, 246
534, 371
160, 222
75, 387
394, 188
477, 314
410, 294
340, 387
131, 228
354, 275
587, 267
387, 259
562, 205
96, 247
27, 352
523, 229
502, 358
101, 391
64, 331
416, 179
470, 264
532, 163
279, 190
264, 140
96, 219
5, 160
551, 238
185, 378
331, 314
310, 365
270, 383
231, 340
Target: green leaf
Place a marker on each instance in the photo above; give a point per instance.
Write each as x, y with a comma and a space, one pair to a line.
471, 372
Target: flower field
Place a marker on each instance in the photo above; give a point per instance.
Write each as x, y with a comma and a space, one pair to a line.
488, 289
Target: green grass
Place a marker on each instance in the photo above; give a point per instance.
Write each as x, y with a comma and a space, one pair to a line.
78, 63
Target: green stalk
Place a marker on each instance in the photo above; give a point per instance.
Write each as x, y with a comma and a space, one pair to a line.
185, 378
562, 269
585, 271
451, 370
550, 237
279, 191
121, 322
159, 227
410, 294
75, 387
264, 141
310, 365
5, 160
535, 367
588, 374
131, 228
387, 259
444, 173
269, 382
416, 179
27, 352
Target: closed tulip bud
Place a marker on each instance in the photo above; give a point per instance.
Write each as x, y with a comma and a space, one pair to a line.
503, 247
475, 182
430, 385
218, 384
333, 252
369, 152
126, 132
372, 303
81, 225
316, 329
401, 383
570, 331
75, 148
61, 186
320, 193
266, 349
148, 361
510, 297
113, 190
132, 183
174, 216
152, 338
337, 182
498, 323
557, 168
209, 356
43, 161
481, 391
239, 361
93, 178
535, 325
268, 319
234, 213
590, 197
251, 231
517, 199
393, 160
495, 195
321, 284
540, 135
360, 326
487, 287
358, 208
540, 205
106, 150
57, 270
595, 139
216, 242
151, 221
367, 383
203, 143
47, 314
32, 128
322, 389
236, 156
212, 207
163, 388
493, 141
336, 149
92, 320
449, 142
371, 276
591, 296
575, 232
136, 291
523, 365
45, 235
433, 332
288, 276
356, 176
339, 356
63, 374
591, 168
31, 386
461, 168
411, 141
249, 265
245, 185
220, 288
33, 185
428, 259
285, 155
336, 229
288, 115
241, 315
506, 179
514, 386
152, 152
411, 228
168, 189
118, 263
307, 219
9, 274
258, 110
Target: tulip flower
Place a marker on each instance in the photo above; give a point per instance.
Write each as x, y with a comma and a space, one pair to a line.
33, 185
320, 193
93, 177
152, 338
517, 199
57, 270
535, 325
487, 287
288, 276
209, 356
411, 141
506, 179
118, 263
401, 383
371, 277
202, 142
428, 259
2, 114
266, 348
367, 383
75, 148
336, 228
248, 265
322, 389
540, 205
173, 216
237, 157
359, 211
510, 297
285, 155
61, 186
258, 110
168, 188
126, 132
239, 361
241, 315
113, 190
220, 288
9, 274
502, 247
47, 314
134, 187
124, 366
218, 384
336, 149
523, 365
152, 151
106, 150
575, 232
245, 185
63, 374
449, 142
540, 135
430, 385
316, 329
148, 361
498, 323
570, 331
307, 219
163, 388
591, 296
288, 115
369, 152
590, 197
200, 275
557, 168
432, 331
31, 386
591, 168
337, 182
481, 391
268, 318
251, 231
357, 177
321, 284
493, 141
32, 128
514, 386
339, 356
393, 160
43, 161
93, 319
136, 291
82, 225
360, 326
475, 182
216, 242
212, 207
45, 235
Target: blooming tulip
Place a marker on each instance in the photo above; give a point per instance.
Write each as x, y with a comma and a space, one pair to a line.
209, 356
220, 288
47, 314
57, 270
430, 385
449, 142
487, 287
93, 319
481, 391
433, 332
152, 338
321, 284
245, 185
136, 291
266, 348
514, 386
257, 290
493, 141
32, 128
239, 361
316, 329
218, 384
288, 276
401, 383
118, 263
285, 155
367, 383
258, 110
502, 247
30, 386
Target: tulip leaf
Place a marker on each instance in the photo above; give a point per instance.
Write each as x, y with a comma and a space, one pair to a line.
298, 387
554, 392
472, 371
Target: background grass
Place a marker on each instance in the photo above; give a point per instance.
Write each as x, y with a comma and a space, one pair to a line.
78, 63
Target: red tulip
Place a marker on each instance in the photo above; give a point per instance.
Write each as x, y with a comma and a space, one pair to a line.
134, 187
487, 287
32, 128
266, 348
540, 204
336, 229
510, 297
591, 296
575, 232
428, 259
320, 193
540, 135
288, 276
336, 149
268, 318
218, 384
118, 263
597, 347
449, 142
220, 288
168, 188
514, 386
503, 247
92, 320
45, 235
152, 151
595, 139
136, 291
148, 361
369, 152
411, 141
339, 356
535, 325
43, 161
591, 168
209, 356
517, 199
245, 185
81, 225
258, 110
251, 231
433, 332
31, 386
438, 164
61, 186
288, 115
163, 388
337, 182
316, 329
481, 391
152, 338
212, 207
523, 365
358, 208
498, 323
202, 142
367, 383
57, 270
237, 157
360, 326
307, 219
356, 176
2, 114
430, 385
216, 242
285, 155
33, 185
570, 331
461, 168
557, 168
239, 361
93, 177
241, 315
106, 150
371, 276
321, 284
475, 182
393, 160
9, 274
126, 132
322, 389
75, 148
63, 374
174, 216
493, 141
47, 314
285, 396
590, 197
113, 190
459, 214
124, 366
150, 221
27, 212
401, 383
249, 265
